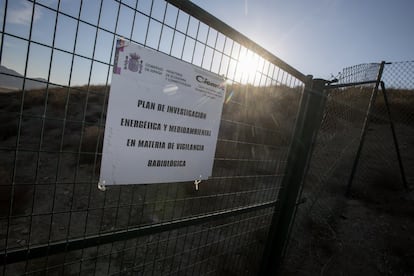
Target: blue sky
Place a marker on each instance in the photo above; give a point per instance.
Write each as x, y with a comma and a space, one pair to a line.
317, 37
320, 37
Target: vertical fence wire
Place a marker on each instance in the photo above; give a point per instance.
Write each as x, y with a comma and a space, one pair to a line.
56, 67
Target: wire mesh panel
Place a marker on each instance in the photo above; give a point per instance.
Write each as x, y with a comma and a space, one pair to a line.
56, 69
313, 237
398, 78
359, 73
322, 233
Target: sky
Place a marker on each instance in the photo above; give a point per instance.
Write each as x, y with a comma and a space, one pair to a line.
320, 37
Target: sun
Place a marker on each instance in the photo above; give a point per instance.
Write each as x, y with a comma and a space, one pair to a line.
247, 67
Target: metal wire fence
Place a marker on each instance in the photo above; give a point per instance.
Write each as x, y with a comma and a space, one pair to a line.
329, 169
398, 78
56, 67
347, 115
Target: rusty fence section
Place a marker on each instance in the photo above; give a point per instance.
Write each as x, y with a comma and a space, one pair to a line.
56, 64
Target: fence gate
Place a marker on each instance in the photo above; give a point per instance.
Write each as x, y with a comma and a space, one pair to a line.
56, 66
365, 139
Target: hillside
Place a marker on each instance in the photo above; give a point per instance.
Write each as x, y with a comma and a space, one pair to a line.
11, 80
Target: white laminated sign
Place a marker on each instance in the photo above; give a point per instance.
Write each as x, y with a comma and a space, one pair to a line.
162, 121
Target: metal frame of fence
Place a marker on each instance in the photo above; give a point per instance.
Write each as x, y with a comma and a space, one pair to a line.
378, 84
57, 221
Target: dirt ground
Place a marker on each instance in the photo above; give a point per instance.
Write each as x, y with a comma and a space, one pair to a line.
371, 232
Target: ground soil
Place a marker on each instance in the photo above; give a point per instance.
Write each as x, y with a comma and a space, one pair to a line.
369, 232
369, 237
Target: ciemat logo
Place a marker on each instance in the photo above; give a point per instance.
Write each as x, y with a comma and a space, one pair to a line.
133, 63
206, 81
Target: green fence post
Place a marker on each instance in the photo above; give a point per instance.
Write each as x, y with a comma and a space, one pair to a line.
307, 125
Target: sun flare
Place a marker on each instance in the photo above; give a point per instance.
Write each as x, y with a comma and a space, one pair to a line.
247, 67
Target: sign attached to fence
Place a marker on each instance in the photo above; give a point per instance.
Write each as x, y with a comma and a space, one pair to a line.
162, 121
